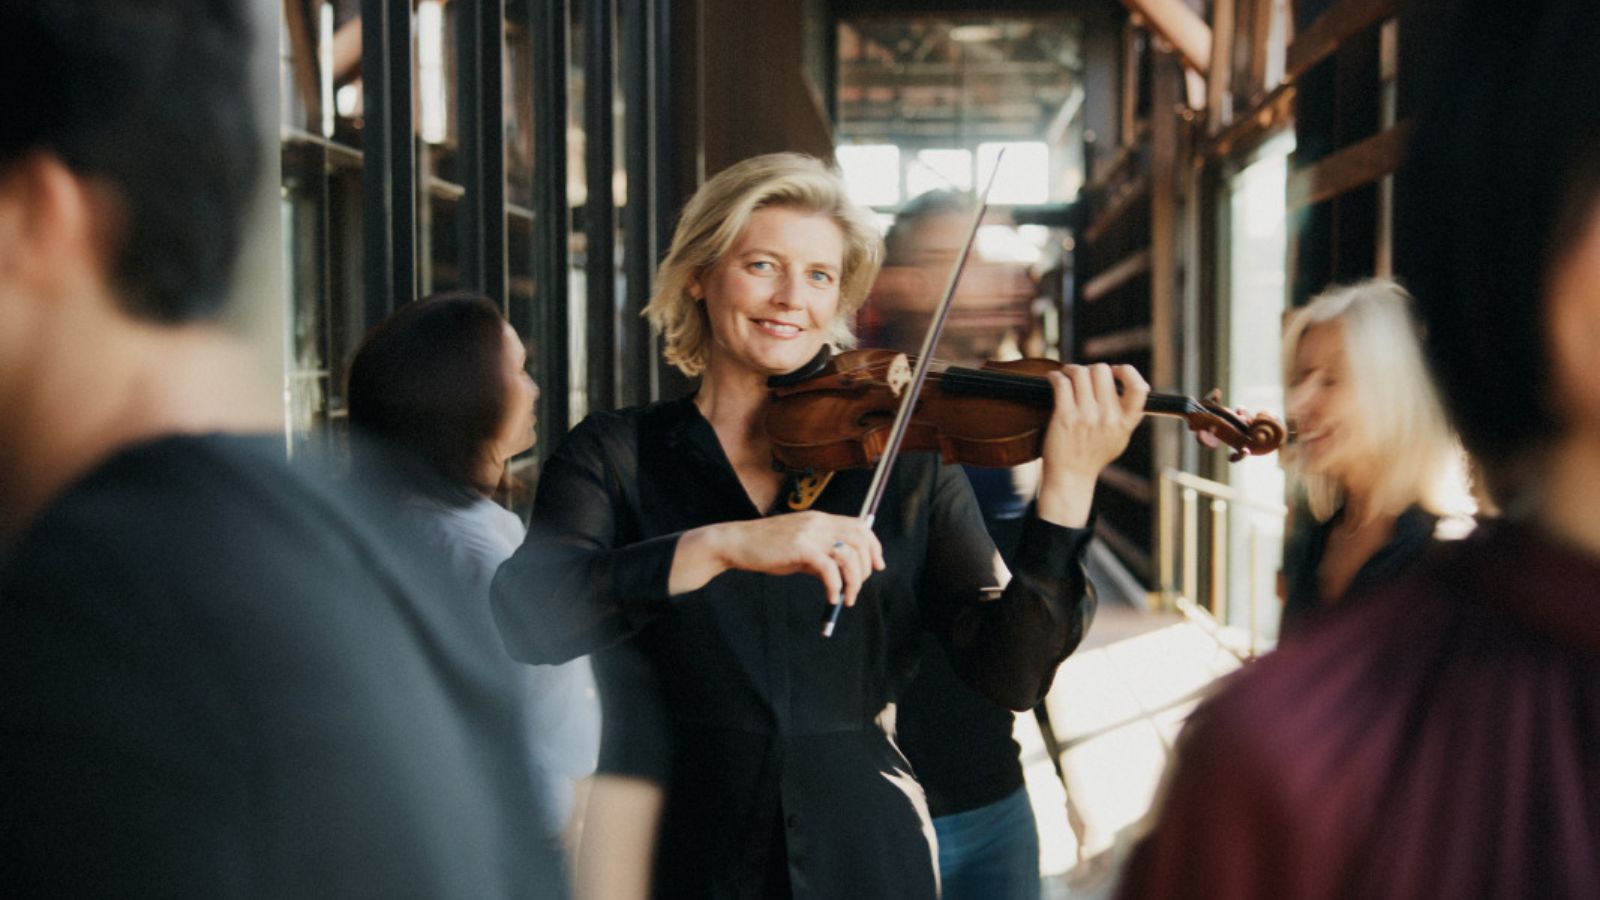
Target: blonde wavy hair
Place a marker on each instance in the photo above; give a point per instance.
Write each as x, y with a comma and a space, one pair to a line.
718, 214
1406, 432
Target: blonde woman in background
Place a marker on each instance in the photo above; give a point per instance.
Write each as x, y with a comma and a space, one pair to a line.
1375, 462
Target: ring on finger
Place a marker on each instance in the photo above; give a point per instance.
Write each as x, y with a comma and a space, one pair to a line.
838, 545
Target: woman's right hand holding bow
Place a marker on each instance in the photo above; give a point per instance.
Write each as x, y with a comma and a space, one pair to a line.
841, 551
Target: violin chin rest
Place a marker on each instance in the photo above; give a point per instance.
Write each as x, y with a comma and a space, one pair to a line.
813, 366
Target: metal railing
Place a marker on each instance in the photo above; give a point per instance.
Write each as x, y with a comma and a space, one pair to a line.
1179, 553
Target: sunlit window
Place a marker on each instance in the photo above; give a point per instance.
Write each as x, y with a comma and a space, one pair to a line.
871, 173
939, 170
1024, 176
1002, 243
1257, 260
348, 99
325, 66
430, 71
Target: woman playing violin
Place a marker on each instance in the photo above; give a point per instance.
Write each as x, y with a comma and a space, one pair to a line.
660, 533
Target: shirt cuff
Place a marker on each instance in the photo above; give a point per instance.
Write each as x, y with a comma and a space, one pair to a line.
1048, 550
640, 575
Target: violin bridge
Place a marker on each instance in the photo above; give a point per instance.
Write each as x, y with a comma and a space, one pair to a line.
899, 374
807, 488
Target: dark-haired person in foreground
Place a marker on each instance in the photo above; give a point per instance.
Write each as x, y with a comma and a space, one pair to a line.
1441, 737
222, 676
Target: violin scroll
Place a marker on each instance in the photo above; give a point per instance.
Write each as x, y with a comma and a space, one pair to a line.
1259, 436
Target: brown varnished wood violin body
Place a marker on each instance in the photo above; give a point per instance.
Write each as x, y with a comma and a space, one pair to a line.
840, 415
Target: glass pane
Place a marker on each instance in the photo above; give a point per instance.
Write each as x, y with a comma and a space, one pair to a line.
871, 173
933, 170
577, 194
1257, 262
320, 119
925, 106
1024, 175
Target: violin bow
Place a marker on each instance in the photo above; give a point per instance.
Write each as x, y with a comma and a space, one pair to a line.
919, 375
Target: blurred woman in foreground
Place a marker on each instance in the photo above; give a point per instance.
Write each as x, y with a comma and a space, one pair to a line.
443, 384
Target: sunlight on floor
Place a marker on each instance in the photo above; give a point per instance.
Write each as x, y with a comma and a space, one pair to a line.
1116, 706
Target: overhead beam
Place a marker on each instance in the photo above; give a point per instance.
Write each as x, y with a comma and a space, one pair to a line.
1179, 26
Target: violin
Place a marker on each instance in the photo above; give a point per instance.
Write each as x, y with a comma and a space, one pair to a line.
839, 415
860, 409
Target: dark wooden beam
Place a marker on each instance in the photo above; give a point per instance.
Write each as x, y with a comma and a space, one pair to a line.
1339, 23
1116, 275
1219, 83
1360, 163
1179, 26
1137, 191
1133, 484
1117, 343
1249, 128
1129, 87
303, 47
1260, 31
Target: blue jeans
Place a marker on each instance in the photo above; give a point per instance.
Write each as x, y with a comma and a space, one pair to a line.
990, 853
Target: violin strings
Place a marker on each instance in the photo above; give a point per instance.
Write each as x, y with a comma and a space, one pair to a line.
1035, 390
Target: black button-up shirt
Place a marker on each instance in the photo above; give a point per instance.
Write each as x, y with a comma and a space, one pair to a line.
1413, 537
775, 744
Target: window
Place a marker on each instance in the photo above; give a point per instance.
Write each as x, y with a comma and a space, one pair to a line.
871, 173
1255, 298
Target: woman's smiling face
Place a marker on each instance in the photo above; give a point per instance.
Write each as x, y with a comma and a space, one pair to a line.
1322, 404
772, 297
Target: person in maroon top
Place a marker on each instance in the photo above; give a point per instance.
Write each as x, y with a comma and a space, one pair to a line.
1441, 738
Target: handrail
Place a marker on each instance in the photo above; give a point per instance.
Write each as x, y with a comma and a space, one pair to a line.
1174, 538
1222, 492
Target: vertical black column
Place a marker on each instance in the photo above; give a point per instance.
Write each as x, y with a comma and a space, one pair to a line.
664, 134
665, 380
481, 153
388, 177
638, 254
547, 26
599, 214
